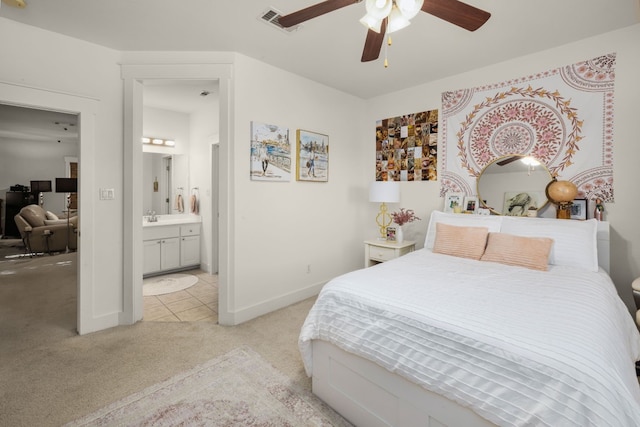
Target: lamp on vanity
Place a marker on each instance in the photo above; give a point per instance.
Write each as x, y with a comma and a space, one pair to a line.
67, 185
384, 192
40, 187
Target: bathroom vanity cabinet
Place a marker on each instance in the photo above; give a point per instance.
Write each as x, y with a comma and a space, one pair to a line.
170, 247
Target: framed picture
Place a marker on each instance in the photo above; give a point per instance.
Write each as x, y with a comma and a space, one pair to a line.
391, 234
470, 204
453, 202
270, 153
517, 203
313, 156
579, 209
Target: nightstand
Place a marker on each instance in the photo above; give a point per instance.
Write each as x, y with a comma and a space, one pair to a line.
377, 251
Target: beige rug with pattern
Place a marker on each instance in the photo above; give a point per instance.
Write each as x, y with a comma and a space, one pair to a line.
236, 389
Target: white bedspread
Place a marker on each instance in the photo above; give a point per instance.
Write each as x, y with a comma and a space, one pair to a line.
553, 348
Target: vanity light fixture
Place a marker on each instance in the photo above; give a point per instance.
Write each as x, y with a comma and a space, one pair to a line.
158, 141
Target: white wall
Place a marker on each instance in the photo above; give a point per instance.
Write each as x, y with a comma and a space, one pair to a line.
281, 229
22, 161
625, 239
55, 69
204, 129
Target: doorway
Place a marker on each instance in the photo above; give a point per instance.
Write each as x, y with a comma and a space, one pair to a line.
35, 145
134, 77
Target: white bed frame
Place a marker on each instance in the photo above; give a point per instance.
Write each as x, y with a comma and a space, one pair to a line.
368, 395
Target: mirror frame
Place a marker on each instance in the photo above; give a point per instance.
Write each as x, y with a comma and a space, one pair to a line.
496, 160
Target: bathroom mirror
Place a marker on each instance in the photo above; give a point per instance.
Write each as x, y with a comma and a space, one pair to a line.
164, 177
511, 185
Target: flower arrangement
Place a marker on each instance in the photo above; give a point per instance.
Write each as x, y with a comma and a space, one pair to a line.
404, 216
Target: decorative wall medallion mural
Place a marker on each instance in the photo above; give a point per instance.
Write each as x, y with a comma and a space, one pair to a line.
562, 117
270, 153
407, 147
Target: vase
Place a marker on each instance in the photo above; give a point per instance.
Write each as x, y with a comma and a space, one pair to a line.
399, 235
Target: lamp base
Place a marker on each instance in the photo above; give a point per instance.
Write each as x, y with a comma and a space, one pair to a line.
383, 219
564, 211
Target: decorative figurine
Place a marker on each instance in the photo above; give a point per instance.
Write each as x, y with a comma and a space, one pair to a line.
598, 212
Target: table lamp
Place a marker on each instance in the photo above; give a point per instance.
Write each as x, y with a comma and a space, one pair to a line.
67, 185
40, 187
384, 192
562, 194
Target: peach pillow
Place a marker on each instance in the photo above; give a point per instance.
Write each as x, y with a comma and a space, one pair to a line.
464, 242
529, 252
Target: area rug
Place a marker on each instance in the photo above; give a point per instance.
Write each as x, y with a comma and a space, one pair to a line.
236, 389
167, 284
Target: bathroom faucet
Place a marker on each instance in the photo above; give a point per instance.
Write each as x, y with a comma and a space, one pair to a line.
151, 216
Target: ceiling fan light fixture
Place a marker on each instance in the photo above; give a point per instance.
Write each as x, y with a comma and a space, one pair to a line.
409, 8
371, 23
15, 3
378, 9
397, 21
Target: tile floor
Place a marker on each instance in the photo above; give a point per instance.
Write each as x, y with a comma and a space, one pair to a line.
197, 303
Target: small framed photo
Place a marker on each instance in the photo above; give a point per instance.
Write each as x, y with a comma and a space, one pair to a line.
453, 202
470, 204
579, 209
391, 234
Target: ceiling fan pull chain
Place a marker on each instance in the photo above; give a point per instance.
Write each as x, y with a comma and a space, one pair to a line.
386, 63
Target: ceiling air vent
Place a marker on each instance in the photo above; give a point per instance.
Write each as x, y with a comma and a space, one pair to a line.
271, 16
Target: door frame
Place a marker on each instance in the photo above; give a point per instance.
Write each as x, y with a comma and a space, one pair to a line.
85, 108
134, 76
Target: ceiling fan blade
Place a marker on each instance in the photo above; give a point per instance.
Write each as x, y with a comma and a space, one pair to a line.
458, 13
314, 11
373, 43
508, 160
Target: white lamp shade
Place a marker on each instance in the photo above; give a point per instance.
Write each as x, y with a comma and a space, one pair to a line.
384, 192
409, 8
371, 23
378, 9
397, 21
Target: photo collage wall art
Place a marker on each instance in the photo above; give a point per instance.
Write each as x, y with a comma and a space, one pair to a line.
407, 147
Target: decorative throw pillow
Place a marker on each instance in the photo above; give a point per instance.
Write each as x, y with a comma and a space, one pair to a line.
529, 252
575, 243
492, 222
51, 215
464, 242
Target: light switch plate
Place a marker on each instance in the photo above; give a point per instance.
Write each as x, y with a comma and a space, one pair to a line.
107, 194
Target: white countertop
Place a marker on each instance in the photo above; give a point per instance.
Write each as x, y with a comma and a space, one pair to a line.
171, 220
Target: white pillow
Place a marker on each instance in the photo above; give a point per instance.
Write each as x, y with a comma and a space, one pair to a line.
575, 243
51, 215
492, 223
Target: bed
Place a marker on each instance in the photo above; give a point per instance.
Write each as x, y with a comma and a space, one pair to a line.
436, 338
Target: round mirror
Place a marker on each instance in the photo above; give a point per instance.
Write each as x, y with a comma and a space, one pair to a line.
511, 185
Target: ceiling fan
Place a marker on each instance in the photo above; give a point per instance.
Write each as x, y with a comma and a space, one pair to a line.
15, 3
381, 15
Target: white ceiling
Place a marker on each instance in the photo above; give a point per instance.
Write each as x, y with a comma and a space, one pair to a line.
328, 49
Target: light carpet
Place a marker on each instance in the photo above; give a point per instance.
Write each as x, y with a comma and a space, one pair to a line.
238, 388
167, 284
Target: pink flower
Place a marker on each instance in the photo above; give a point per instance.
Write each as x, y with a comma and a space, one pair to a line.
404, 216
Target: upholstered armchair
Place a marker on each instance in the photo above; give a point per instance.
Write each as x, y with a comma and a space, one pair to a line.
42, 233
